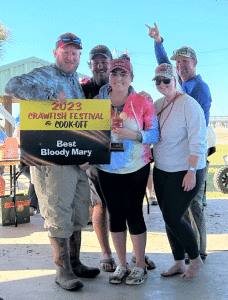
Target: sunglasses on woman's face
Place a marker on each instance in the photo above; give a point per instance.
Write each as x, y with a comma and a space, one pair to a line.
165, 81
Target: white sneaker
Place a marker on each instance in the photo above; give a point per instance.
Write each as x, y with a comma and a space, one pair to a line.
137, 276
119, 275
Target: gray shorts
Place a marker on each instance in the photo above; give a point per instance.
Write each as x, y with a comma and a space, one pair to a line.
64, 197
96, 196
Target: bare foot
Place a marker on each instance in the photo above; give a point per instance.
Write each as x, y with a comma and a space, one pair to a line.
177, 268
194, 268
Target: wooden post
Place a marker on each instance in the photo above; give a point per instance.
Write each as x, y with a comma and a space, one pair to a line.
7, 103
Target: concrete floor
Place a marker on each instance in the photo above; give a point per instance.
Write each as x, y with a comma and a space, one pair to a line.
27, 267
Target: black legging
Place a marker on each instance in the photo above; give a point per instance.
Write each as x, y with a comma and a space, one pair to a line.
173, 202
124, 195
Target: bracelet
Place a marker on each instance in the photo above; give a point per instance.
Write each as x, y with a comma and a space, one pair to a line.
162, 40
192, 169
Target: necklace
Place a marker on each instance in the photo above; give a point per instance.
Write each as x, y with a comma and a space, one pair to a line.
162, 109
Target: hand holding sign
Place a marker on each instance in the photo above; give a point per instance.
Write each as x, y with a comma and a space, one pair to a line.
62, 98
85, 166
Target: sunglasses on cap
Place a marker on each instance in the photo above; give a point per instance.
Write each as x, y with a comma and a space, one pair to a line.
183, 51
159, 80
68, 38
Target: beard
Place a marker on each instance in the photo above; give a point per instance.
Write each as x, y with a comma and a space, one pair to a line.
63, 66
100, 80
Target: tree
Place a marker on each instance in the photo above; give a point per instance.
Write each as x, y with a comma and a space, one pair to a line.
5, 34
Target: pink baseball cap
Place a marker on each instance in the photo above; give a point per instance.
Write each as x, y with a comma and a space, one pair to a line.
120, 63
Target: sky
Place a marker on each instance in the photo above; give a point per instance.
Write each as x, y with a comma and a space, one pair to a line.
120, 24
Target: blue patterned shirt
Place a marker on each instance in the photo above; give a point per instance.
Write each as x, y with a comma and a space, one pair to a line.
45, 83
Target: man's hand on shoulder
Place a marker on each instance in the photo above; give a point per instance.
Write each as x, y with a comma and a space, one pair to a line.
154, 33
146, 95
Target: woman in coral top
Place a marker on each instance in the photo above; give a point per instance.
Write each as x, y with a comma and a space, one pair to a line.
123, 182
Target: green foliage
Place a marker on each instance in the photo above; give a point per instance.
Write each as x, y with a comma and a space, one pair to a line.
5, 34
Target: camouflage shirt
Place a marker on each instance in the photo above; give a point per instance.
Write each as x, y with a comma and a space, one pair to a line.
45, 83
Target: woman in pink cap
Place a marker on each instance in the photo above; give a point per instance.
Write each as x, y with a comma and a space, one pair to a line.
123, 182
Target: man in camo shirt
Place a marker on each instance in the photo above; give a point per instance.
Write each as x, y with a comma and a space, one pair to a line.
63, 191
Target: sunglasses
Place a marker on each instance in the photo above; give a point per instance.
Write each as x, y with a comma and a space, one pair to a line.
159, 80
183, 51
68, 39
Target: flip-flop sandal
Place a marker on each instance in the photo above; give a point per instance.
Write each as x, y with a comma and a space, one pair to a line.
109, 261
203, 256
169, 275
149, 263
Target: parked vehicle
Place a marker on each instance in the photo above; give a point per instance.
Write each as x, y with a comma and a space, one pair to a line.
221, 177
